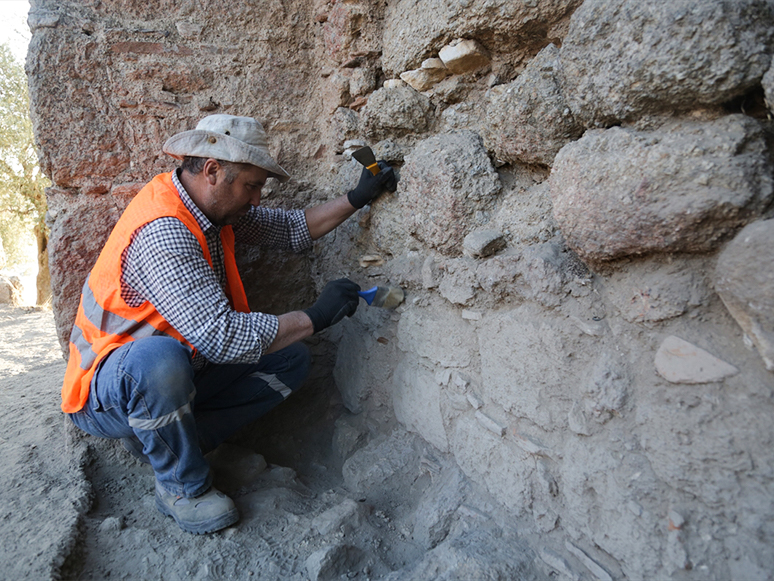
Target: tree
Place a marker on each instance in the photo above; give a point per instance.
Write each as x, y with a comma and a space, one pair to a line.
22, 183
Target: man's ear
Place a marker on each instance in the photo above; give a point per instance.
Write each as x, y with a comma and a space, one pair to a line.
210, 171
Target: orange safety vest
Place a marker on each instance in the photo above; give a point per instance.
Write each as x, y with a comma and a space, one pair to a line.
104, 321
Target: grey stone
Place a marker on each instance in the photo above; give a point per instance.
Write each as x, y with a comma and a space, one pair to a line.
370, 469
468, 554
348, 436
332, 562
546, 272
43, 19
683, 188
389, 151
463, 56
417, 29
436, 510
444, 182
111, 526
648, 292
624, 58
767, 82
483, 243
494, 462
679, 361
497, 275
744, 279
558, 563
676, 557
416, 398
430, 274
235, 466
490, 424
361, 362
432, 72
395, 112
362, 81
594, 568
449, 347
470, 315
528, 119
343, 126
345, 517
604, 394
458, 285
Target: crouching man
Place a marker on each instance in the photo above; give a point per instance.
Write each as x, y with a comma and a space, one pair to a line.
165, 353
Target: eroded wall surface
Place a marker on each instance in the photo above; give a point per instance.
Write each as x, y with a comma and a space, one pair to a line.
583, 226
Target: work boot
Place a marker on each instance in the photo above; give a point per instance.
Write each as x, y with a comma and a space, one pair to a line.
206, 513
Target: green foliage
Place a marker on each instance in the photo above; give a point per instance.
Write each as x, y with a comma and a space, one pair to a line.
22, 184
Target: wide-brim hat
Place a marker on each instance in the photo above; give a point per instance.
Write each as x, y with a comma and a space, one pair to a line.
228, 138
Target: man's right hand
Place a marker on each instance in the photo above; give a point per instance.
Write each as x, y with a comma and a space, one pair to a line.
338, 299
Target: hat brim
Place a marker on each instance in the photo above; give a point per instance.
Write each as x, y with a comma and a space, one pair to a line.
201, 143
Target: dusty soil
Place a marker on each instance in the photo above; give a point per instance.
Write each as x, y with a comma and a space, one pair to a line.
77, 507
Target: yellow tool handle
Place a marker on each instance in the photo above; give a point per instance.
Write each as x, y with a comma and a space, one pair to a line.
374, 168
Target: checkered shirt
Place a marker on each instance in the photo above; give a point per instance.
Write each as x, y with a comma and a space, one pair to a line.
165, 264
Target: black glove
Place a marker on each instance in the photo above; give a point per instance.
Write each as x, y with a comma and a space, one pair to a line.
338, 298
370, 186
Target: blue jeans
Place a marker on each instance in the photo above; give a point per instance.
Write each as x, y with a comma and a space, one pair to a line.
148, 389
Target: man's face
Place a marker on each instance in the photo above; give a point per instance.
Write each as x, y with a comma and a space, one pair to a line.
228, 202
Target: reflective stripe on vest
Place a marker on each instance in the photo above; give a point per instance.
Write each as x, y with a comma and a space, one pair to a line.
104, 321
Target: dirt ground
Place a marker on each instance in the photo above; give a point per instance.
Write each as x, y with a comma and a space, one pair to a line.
77, 507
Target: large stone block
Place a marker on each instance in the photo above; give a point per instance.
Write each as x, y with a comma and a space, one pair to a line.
682, 188
626, 58
417, 29
526, 360
436, 334
495, 462
528, 119
364, 364
395, 111
73, 252
446, 181
416, 398
744, 279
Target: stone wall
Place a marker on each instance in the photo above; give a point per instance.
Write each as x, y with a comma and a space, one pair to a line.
583, 225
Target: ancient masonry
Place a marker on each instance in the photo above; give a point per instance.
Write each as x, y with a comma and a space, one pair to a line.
584, 227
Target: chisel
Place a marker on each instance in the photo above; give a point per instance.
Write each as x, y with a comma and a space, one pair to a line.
365, 156
386, 297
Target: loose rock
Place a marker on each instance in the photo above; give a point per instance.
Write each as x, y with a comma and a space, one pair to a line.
464, 56
679, 361
396, 111
483, 243
445, 180
430, 73
528, 119
626, 58
679, 189
744, 279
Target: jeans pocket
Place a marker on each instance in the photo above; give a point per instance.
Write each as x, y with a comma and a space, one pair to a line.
86, 423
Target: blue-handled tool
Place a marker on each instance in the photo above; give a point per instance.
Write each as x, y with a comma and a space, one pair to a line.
369, 294
386, 297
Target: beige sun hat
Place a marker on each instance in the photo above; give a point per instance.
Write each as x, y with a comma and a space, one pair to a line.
229, 138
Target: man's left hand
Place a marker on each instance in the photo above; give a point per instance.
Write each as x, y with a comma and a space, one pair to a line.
371, 186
